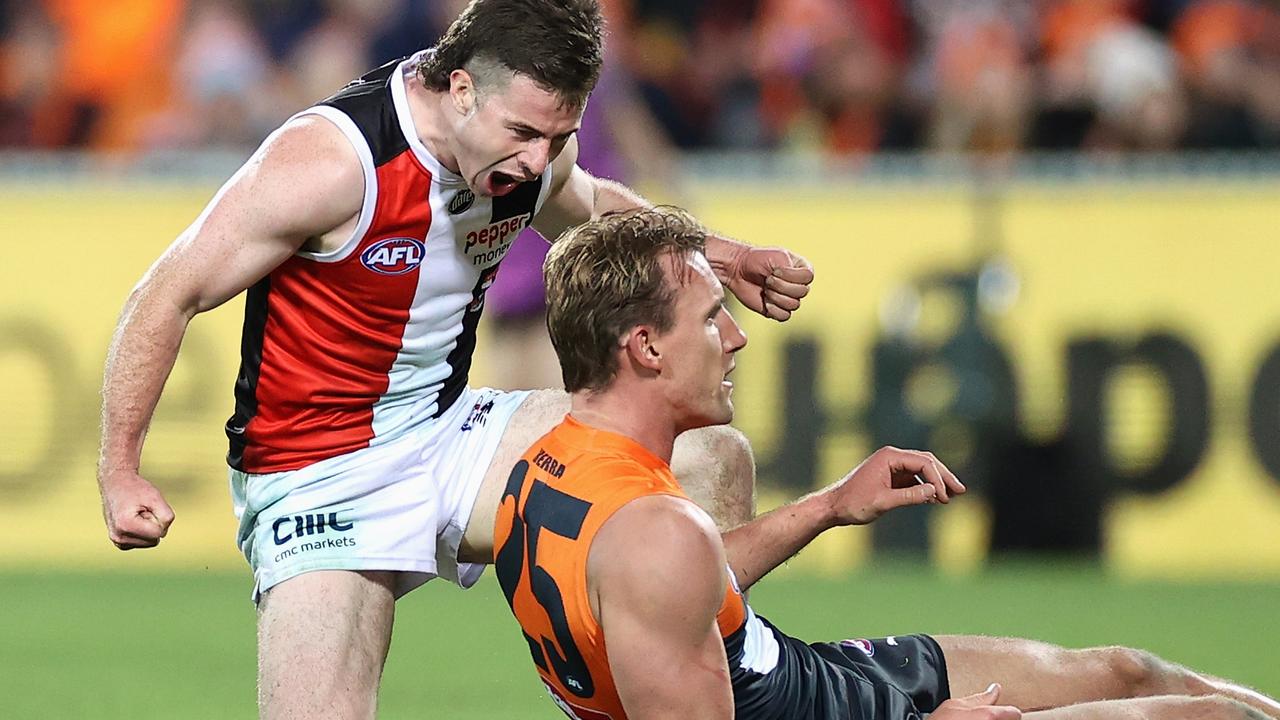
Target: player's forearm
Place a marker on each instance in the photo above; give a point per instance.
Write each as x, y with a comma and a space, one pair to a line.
141, 356
723, 254
755, 549
610, 196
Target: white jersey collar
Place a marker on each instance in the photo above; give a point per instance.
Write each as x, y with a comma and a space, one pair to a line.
400, 97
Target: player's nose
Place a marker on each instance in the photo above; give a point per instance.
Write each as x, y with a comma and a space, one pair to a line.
732, 335
534, 161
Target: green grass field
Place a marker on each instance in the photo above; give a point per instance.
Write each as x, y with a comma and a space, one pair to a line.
182, 645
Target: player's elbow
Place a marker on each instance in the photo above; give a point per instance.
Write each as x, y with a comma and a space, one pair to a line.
158, 295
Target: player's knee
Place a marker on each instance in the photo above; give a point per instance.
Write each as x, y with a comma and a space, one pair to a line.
717, 468
1182, 681
735, 486
732, 448
1137, 672
1144, 674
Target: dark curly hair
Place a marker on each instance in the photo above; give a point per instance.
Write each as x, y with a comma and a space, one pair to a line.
557, 43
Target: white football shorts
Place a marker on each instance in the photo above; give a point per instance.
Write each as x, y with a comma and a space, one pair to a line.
401, 505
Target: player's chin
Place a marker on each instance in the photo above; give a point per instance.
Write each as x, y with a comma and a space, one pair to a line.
724, 413
711, 415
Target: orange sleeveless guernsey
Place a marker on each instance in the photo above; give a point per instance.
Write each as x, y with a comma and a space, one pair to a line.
557, 498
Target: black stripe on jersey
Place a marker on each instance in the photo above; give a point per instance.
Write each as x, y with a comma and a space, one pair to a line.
367, 101
520, 201
460, 357
255, 326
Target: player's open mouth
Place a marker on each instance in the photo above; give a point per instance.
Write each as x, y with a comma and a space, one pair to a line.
501, 183
726, 382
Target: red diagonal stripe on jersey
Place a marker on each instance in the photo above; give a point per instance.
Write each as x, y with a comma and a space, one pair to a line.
332, 334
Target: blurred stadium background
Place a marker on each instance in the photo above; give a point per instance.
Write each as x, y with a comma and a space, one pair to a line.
1041, 235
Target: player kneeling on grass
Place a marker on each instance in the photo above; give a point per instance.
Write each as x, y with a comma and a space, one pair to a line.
620, 583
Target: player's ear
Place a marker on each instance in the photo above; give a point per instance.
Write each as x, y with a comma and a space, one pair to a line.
462, 91
640, 347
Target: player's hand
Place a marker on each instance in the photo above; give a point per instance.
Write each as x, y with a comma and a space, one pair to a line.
769, 280
136, 513
891, 478
980, 706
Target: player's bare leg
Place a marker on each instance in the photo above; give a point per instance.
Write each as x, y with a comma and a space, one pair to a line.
322, 641
1038, 675
717, 469
1156, 708
714, 464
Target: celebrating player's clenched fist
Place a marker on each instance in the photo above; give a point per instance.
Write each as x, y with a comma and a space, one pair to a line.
768, 280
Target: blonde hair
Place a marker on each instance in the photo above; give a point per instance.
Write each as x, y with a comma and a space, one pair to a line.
605, 277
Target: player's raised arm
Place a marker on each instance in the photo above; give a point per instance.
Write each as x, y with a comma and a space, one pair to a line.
768, 280
890, 478
656, 578
304, 181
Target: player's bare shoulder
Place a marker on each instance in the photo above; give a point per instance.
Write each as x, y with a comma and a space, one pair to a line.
658, 542
662, 516
302, 185
306, 178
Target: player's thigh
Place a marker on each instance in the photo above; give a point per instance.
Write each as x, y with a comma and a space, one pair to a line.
541, 411
714, 464
322, 642
1039, 675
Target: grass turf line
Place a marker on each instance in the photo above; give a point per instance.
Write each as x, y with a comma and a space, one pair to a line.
79, 645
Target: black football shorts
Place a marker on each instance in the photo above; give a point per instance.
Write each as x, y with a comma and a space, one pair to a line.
902, 677
893, 678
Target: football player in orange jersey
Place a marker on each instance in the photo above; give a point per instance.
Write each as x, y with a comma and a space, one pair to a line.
620, 583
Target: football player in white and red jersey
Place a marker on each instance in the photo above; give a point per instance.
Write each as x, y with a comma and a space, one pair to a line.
365, 231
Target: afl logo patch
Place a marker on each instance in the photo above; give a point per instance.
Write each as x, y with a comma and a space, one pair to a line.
462, 201
393, 256
864, 645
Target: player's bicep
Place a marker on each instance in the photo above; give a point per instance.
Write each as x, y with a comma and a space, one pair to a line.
304, 181
658, 598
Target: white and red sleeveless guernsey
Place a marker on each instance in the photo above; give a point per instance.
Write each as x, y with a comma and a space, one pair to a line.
355, 347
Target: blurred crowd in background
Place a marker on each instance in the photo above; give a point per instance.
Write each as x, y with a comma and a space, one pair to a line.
847, 77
